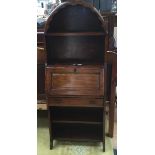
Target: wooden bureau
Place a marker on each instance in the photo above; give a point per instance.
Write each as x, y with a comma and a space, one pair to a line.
75, 74
110, 21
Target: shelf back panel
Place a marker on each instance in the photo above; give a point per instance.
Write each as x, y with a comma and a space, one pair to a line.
75, 49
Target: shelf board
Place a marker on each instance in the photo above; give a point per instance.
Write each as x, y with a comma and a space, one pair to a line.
87, 106
76, 34
77, 134
78, 131
77, 122
81, 139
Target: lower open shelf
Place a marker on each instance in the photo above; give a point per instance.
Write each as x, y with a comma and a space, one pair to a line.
79, 115
76, 132
79, 122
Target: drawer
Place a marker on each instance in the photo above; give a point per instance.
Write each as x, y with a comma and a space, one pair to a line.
74, 69
77, 102
75, 81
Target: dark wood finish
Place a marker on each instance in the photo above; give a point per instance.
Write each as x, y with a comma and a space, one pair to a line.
50, 128
78, 49
75, 20
41, 69
70, 80
76, 34
78, 122
110, 20
75, 102
68, 18
75, 44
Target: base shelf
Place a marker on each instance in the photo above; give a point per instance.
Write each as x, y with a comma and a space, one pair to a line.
77, 122
82, 132
78, 139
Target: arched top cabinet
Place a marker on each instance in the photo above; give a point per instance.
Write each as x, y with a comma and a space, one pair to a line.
75, 34
75, 74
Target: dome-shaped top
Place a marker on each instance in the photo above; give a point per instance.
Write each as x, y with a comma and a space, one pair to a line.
74, 17
74, 33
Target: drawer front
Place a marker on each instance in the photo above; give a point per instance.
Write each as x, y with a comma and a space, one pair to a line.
74, 81
90, 102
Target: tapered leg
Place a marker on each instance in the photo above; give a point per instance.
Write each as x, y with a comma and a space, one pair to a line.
50, 131
103, 148
51, 144
104, 114
104, 145
111, 119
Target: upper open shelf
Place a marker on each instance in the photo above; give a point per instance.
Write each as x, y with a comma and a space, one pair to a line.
76, 34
